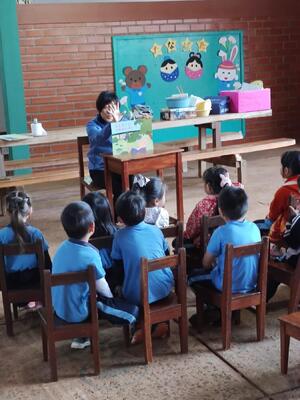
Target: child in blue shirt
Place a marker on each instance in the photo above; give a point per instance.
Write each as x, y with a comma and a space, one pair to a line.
70, 302
22, 269
233, 205
99, 133
139, 239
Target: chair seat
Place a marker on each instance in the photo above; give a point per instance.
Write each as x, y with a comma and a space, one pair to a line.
59, 322
167, 302
292, 319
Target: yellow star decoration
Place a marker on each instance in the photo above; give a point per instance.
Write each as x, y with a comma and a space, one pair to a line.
170, 45
202, 45
187, 45
156, 50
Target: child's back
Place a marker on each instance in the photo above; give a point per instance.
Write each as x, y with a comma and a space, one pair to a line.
244, 271
70, 302
237, 231
135, 241
131, 244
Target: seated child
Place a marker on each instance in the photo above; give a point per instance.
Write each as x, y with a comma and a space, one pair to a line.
22, 270
291, 238
233, 205
154, 192
70, 302
135, 241
104, 226
215, 178
278, 215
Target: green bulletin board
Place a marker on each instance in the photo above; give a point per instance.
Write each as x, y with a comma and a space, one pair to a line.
149, 68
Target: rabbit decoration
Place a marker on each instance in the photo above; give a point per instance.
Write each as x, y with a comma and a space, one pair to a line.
227, 70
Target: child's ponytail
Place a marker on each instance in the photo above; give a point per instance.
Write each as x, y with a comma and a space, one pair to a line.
19, 206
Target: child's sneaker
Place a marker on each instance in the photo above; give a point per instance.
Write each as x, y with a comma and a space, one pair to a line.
137, 337
80, 343
34, 305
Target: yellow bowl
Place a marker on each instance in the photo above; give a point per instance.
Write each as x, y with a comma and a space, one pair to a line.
203, 113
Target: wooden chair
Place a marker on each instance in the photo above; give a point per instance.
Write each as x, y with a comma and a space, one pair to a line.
55, 329
85, 180
174, 230
23, 295
208, 225
284, 273
289, 327
228, 302
172, 307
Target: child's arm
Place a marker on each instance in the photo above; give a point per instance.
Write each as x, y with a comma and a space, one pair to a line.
208, 260
278, 204
102, 288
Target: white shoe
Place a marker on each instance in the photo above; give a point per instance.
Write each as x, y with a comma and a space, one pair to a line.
80, 343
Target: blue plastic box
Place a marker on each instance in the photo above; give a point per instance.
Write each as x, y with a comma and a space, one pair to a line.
219, 104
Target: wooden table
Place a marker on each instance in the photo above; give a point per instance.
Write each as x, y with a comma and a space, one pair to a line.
130, 165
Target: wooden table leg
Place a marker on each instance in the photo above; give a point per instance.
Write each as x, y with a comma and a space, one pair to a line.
202, 146
125, 177
216, 134
179, 191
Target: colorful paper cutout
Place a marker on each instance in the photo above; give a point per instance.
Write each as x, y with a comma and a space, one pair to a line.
156, 50
169, 69
227, 70
187, 45
194, 66
202, 45
135, 84
171, 45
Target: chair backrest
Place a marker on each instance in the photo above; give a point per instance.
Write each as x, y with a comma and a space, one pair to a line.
260, 248
177, 262
69, 278
295, 288
81, 142
208, 225
174, 230
103, 242
14, 250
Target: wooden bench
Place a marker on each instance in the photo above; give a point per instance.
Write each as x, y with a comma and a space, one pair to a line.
231, 155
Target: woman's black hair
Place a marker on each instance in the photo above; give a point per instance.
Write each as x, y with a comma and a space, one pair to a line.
130, 206
194, 57
154, 189
104, 225
167, 61
233, 202
106, 97
18, 205
76, 219
212, 176
291, 160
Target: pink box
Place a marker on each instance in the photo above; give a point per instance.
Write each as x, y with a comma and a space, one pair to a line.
248, 100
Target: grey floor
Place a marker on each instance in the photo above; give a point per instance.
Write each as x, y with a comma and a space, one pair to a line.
249, 370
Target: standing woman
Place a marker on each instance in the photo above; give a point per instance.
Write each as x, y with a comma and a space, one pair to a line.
99, 133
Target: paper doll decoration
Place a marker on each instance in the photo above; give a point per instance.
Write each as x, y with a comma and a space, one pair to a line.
194, 66
169, 69
135, 84
227, 70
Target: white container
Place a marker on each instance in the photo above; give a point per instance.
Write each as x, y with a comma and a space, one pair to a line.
37, 128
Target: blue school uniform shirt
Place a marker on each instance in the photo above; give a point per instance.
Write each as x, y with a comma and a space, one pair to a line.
130, 244
71, 302
245, 269
99, 133
23, 261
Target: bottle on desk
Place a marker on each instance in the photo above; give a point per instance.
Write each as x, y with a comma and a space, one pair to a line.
37, 128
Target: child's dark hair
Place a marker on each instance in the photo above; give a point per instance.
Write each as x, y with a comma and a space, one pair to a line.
212, 176
130, 207
233, 202
18, 205
291, 160
104, 225
154, 189
76, 219
105, 98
